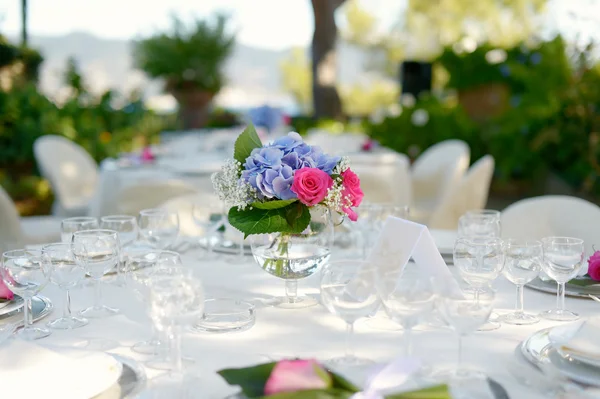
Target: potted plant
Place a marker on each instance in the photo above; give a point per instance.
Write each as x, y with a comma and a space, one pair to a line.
190, 60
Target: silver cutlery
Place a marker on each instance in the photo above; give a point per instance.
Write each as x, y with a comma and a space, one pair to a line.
595, 298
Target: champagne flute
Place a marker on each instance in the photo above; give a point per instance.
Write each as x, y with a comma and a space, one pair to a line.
210, 217
523, 264
479, 224
563, 258
348, 290
24, 273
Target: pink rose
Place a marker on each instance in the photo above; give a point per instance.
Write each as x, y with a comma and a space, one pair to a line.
594, 266
368, 145
311, 185
147, 155
5, 293
352, 192
297, 375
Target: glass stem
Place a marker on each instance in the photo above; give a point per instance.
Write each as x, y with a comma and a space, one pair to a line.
408, 342
97, 294
460, 352
560, 299
291, 290
26, 311
519, 303
67, 305
349, 334
175, 336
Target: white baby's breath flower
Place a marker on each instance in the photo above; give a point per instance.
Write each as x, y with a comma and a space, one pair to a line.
342, 166
230, 188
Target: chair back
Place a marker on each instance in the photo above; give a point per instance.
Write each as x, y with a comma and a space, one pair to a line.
471, 193
553, 215
71, 171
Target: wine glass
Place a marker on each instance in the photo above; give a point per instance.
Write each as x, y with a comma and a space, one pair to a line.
71, 225
348, 290
563, 258
125, 226
127, 229
407, 297
480, 261
482, 224
98, 252
159, 227
24, 273
523, 263
66, 274
176, 301
210, 217
465, 311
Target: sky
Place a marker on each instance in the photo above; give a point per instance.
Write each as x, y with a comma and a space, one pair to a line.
272, 24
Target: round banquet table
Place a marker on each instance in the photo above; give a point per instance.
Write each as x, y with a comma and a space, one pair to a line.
307, 333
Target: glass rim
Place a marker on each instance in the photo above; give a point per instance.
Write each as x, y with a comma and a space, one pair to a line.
156, 211
56, 244
483, 212
103, 232
480, 240
562, 240
516, 242
23, 251
79, 219
114, 218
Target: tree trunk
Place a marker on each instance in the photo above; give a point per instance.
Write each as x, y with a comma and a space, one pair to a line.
24, 35
326, 101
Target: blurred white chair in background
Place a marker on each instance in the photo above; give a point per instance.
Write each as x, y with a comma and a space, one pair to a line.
132, 199
434, 173
553, 215
384, 178
470, 193
18, 232
71, 171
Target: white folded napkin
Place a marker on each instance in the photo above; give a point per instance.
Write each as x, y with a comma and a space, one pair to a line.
402, 239
579, 339
30, 371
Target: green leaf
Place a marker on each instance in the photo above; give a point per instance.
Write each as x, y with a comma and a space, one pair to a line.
245, 143
297, 216
273, 204
433, 392
342, 383
252, 380
585, 281
293, 218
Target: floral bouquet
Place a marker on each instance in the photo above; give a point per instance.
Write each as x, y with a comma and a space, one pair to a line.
271, 188
592, 277
298, 379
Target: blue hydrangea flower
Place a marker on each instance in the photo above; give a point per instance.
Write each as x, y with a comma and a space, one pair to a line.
267, 117
270, 169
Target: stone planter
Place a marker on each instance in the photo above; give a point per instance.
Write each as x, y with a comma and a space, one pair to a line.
194, 107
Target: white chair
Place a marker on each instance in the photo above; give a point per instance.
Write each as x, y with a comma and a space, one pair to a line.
471, 193
17, 232
132, 199
384, 178
553, 215
439, 168
71, 171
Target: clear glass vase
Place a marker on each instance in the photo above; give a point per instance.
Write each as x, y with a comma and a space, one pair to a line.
292, 257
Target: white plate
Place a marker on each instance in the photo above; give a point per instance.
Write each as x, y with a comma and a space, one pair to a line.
539, 349
560, 335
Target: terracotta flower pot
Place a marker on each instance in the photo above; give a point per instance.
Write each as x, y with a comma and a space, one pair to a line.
193, 106
484, 102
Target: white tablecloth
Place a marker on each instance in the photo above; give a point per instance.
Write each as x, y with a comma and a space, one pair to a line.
309, 332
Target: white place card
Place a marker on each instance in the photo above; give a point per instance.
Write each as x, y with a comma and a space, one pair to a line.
400, 240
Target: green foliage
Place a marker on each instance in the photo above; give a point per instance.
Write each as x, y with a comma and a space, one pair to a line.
252, 381
292, 219
188, 57
245, 143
